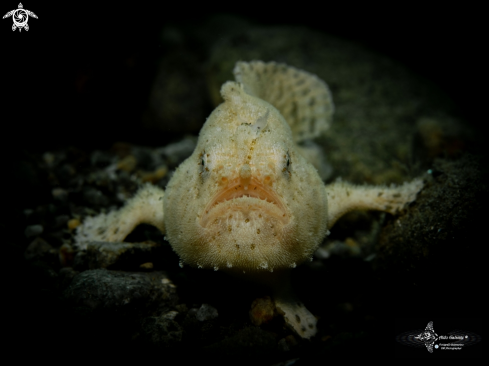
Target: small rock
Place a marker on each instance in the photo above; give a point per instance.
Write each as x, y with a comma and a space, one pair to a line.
291, 341
38, 248
285, 344
66, 255
59, 194
101, 159
33, 230
94, 197
206, 312
73, 224
162, 331
128, 163
61, 220
167, 282
99, 289
170, 315
262, 310
282, 345
193, 312
66, 275
322, 253
49, 159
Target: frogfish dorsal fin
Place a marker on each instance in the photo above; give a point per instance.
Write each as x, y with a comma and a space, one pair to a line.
303, 99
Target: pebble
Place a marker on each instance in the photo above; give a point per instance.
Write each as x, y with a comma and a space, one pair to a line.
73, 224
206, 312
262, 310
60, 194
37, 249
33, 230
170, 315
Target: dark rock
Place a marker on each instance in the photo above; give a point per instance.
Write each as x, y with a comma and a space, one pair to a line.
436, 248
162, 331
94, 197
33, 230
206, 312
248, 343
60, 221
66, 275
39, 249
101, 289
128, 256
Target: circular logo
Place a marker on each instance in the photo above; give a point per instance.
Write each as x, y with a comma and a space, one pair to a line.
20, 17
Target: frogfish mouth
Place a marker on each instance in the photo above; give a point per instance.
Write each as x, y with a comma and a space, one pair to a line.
247, 221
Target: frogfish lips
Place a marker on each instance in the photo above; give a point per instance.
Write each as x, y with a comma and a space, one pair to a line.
245, 229
251, 203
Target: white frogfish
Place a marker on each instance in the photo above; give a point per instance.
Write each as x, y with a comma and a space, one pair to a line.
248, 200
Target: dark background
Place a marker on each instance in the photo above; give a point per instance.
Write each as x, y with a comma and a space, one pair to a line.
83, 65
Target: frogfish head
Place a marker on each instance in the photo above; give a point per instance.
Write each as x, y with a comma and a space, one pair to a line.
245, 199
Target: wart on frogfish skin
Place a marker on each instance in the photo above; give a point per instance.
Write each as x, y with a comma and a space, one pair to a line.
249, 205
